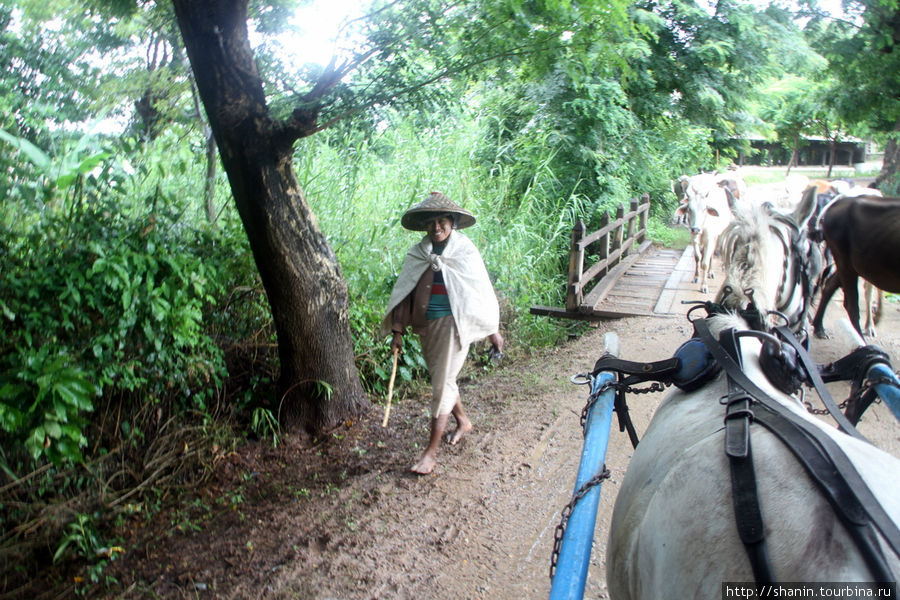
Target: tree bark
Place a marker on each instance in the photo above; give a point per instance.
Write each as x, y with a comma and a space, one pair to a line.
319, 384
209, 190
832, 148
890, 164
794, 153
212, 156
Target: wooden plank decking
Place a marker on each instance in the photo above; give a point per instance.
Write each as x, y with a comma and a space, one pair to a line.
655, 284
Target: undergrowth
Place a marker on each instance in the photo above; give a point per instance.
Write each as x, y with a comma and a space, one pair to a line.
137, 346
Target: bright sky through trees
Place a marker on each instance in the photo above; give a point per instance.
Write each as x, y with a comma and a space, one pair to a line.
320, 23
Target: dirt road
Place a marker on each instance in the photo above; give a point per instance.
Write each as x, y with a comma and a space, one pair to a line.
343, 518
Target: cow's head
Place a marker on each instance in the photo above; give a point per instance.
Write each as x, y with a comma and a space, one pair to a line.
695, 211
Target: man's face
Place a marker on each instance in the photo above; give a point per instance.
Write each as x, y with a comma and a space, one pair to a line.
439, 229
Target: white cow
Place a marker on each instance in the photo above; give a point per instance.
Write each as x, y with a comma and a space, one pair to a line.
705, 211
783, 195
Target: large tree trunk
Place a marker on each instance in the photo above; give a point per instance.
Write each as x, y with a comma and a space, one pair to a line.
891, 163
306, 290
794, 154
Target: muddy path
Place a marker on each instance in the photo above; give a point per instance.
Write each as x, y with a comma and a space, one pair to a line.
343, 518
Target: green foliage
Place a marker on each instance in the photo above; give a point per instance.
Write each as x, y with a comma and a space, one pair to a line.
264, 424
81, 537
664, 233
43, 402
95, 301
862, 55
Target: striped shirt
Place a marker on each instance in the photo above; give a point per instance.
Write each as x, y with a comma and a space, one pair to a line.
439, 303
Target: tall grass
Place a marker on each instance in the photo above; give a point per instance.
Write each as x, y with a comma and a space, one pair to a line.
166, 314
359, 187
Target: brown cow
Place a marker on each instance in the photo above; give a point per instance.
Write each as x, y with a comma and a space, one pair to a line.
863, 235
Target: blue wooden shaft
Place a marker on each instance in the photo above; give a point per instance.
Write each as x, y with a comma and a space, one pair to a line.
575, 551
889, 393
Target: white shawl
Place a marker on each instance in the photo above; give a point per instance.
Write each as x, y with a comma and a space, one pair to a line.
472, 299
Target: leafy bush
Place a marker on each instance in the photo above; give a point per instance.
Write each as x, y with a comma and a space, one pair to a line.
100, 305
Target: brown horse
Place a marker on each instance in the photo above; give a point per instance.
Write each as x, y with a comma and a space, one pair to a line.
863, 235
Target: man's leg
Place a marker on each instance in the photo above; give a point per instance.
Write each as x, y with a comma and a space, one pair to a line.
463, 425
429, 457
445, 358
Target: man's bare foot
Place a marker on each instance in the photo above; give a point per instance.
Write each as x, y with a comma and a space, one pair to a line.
462, 428
425, 466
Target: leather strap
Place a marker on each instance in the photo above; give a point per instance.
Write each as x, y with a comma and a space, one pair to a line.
823, 459
853, 511
813, 371
660, 370
625, 423
745, 499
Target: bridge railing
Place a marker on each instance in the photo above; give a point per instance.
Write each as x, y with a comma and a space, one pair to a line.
611, 243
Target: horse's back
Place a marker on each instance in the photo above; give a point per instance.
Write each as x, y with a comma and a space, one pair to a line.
673, 532
863, 234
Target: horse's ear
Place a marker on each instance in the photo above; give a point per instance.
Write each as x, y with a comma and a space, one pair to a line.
805, 208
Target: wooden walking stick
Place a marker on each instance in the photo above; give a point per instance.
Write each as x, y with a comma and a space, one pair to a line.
387, 409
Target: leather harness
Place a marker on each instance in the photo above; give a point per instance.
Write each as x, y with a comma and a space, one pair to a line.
819, 454
822, 458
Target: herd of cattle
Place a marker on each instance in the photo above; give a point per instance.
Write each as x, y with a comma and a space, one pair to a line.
858, 228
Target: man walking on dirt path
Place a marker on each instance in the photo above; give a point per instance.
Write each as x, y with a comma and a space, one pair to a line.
443, 292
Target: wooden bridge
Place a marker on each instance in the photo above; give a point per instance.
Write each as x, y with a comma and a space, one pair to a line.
631, 276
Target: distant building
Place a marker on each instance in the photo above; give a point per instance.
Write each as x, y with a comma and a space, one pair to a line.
814, 151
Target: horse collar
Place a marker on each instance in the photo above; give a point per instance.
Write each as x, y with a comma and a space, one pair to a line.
821, 456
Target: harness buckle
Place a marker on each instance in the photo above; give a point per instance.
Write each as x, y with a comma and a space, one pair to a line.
737, 420
739, 414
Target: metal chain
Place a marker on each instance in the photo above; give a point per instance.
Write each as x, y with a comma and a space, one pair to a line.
567, 512
604, 473
822, 411
883, 380
867, 385
592, 400
656, 386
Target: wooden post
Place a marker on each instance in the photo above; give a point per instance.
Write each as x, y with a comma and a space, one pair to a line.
632, 225
603, 248
642, 221
574, 291
620, 232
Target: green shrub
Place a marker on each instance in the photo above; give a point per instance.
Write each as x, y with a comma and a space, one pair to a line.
103, 305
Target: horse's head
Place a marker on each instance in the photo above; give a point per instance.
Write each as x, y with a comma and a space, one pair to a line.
770, 262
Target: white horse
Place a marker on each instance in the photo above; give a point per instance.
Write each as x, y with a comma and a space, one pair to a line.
673, 531
769, 260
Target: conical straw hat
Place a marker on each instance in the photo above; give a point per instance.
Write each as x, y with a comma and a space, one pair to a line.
432, 207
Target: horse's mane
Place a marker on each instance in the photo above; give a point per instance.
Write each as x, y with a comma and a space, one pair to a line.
746, 247
721, 321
